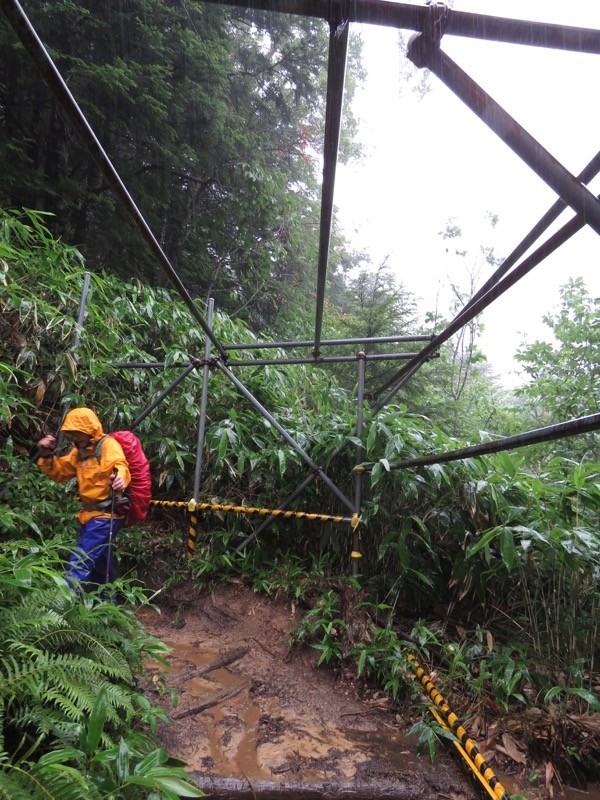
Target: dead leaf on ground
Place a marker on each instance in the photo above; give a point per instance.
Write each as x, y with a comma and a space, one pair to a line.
511, 748
549, 779
589, 721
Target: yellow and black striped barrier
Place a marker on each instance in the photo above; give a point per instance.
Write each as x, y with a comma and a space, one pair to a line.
194, 507
465, 746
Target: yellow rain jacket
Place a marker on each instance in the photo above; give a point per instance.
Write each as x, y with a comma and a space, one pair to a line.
92, 473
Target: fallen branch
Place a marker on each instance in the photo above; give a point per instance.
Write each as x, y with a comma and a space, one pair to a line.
224, 661
265, 648
210, 703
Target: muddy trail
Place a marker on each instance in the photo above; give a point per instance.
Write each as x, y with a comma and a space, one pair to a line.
254, 719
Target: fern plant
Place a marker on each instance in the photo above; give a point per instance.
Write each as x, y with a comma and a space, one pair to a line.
69, 709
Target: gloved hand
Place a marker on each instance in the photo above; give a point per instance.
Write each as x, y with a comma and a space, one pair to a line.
47, 445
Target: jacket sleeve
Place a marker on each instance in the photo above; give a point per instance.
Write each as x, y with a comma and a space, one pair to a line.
60, 468
114, 458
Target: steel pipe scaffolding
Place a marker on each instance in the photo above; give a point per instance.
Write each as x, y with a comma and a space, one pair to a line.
422, 337
474, 308
457, 23
318, 471
424, 52
360, 423
316, 360
585, 176
165, 393
573, 427
254, 362
430, 22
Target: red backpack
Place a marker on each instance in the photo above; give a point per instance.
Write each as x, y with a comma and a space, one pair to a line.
139, 490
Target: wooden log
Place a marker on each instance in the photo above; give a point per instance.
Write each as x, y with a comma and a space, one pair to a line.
210, 703
225, 660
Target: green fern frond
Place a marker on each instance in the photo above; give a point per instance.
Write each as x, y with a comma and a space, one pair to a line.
120, 696
12, 786
64, 672
76, 701
83, 643
46, 782
35, 717
20, 625
71, 710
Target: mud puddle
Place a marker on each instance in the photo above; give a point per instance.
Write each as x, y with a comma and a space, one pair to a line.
254, 720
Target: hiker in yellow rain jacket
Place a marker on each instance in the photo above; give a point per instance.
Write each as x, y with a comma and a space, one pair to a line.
99, 473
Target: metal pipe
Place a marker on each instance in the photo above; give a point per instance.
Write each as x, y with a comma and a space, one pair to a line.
34, 46
147, 364
358, 476
203, 403
423, 52
585, 176
409, 369
296, 493
336, 73
75, 346
310, 342
317, 360
548, 247
572, 427
268, 361
64, 406
457, 23
285, 435
162, 396
311, 516
401, 378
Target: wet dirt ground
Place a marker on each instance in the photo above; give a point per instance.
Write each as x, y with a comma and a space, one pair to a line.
269, 723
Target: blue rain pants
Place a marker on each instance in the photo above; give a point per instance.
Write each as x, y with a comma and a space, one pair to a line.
88, 562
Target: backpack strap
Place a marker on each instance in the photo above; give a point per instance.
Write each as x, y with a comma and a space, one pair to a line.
83, 457
105, 505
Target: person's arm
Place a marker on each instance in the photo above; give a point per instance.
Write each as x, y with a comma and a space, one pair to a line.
113, 459
58, 468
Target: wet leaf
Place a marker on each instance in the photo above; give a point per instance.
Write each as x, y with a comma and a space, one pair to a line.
512, 750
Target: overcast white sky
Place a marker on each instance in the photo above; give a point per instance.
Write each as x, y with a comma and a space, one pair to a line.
428, 161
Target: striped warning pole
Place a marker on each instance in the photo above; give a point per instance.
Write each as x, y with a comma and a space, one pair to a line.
191, 542
466, 746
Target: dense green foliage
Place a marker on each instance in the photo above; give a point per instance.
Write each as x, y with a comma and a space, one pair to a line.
463, 529
504, 556
566, 371
73, 725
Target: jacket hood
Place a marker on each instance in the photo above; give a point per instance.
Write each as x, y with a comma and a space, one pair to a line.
84, 420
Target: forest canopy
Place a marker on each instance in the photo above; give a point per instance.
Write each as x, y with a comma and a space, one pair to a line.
214, 119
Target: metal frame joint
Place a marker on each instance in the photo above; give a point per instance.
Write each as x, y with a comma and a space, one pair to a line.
421, 46
339, 16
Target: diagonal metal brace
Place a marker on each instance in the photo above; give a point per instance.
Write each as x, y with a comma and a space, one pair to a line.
424, 52
287, 437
